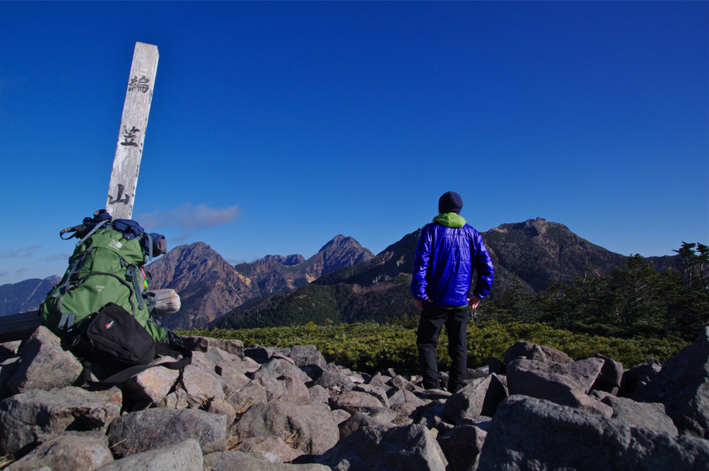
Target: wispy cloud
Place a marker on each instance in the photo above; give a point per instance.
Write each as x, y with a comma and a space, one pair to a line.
189, 218
22, 252
56, 257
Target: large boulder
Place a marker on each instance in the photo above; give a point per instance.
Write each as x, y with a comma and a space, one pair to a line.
304, 355
44, 364
26, 419
683, 386
204, 344
68, 451
652, 415
551, 380
532, 351
308, 426
239, 461
156, 428
408, 448
638, 376
277, 367
468, 402
462, 445
184, 456
534, 434
611, 375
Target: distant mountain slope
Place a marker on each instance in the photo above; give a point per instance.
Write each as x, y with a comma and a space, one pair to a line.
274, 274
373, 289
210, 287
534, 251
207, 284
25, 296
537, 251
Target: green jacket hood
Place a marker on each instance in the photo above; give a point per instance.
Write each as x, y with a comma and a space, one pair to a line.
450, 220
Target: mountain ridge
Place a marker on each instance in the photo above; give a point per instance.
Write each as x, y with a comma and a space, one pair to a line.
209, 286
532, 252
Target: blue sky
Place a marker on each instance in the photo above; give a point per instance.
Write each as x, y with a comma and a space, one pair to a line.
275, 126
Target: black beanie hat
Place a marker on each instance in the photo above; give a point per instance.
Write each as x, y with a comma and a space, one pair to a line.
450, 202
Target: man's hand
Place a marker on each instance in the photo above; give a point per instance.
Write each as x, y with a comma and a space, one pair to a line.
419, 303
473, 302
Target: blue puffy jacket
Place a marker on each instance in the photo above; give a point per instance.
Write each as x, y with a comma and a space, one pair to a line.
448, 250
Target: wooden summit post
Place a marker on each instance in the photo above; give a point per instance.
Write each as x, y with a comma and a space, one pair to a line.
129, 150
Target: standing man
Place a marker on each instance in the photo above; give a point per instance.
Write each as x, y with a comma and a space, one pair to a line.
448, 251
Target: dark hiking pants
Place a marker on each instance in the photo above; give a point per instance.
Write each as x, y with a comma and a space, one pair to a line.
430, 324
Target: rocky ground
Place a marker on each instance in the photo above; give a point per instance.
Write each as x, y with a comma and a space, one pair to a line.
257, 408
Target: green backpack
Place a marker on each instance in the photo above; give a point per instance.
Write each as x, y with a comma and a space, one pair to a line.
106, 267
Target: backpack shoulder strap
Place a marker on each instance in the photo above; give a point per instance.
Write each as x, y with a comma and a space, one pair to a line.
124, 375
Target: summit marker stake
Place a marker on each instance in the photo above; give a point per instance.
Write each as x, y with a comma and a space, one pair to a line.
129, 150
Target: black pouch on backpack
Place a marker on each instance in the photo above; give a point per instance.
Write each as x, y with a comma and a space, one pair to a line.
114, 338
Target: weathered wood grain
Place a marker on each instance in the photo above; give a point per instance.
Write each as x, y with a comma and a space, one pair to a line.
129, 150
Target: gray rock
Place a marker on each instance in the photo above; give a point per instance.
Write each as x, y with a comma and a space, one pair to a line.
277, 367
579, 400
252, 393
404, 412
683, 386
355, 401
259, 354
339, 416
526, 350
468, 402
44, 364
497, 391
201, 385
175, 400
204, 344
152, 384
651, 415
8, 349
233, 374
156, 428
245, 366
375, 391
637, 376
383, 414
462, 446
356, 422
403, 384
7, 369
295, 389
610, 377
404, 396
432, 416
407, 448
496, 366
200, 359
309, 426
217, 355
379, 381
240, 461
270, 444
275, 389
318, 394
68, 451
551, 380
304, 355
183, 456
25, 419
533, 434
223, 407
330, 380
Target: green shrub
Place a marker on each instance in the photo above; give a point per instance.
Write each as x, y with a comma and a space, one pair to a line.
370, 347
